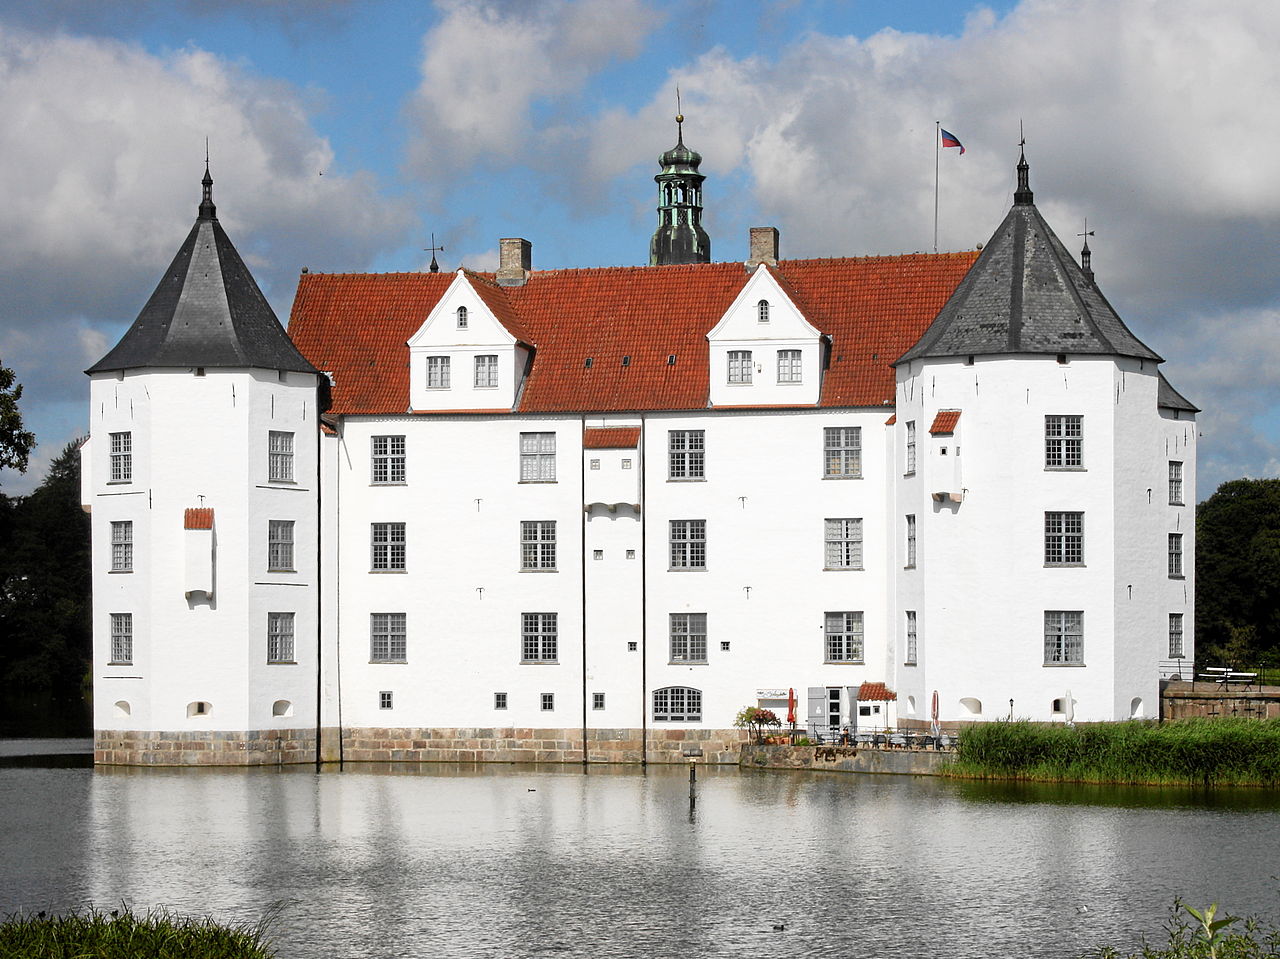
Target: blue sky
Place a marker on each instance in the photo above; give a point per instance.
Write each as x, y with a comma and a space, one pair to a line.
344, 134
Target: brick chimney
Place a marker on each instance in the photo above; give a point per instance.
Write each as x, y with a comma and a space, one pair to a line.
764, 246
515, 260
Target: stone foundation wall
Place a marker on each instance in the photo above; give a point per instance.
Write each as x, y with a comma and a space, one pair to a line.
267, 747
846, 759
1180, 700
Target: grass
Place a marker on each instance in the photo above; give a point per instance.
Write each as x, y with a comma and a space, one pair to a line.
1203, 937
1181, 752
120, 934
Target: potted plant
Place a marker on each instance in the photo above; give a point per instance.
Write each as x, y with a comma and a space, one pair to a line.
753, 717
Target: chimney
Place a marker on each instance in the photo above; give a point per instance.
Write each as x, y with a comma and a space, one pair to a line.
764, 246
515, 259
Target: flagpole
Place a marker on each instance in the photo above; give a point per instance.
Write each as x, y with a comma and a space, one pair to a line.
937, 138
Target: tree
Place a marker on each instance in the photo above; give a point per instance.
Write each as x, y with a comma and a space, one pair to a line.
15, 442
1238, 573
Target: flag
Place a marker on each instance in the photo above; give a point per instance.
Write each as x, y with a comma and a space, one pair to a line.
949, 140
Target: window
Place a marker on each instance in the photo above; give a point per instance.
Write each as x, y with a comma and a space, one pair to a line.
597, 700
122, 546
462, 317
499, 700
595, 464
548, 702
538, 544
724, 645
1063, 539
1175, 554
486, 371
842, 449
1175, 483
388, 459
911, 541
632, 645
844, 637
121, 457
537, 457
1175, 636
538, 633
912, 642
280, 637
387, 638
437, 372
626, 464
686, 454
1063, 637
122, 638
788, 366
280, 545
279, 457
387, 546
844, 543
384, 699
911, 446
631, 554
1063, 442
688, 637
739, 366
688, 544
677, 704
762, 311
597, 554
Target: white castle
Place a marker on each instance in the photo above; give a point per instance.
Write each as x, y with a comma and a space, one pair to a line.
590, 514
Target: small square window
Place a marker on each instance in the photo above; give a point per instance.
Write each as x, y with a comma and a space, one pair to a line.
595, 464
597, 554
384, 699
548, 702
626, 464
499, 700
597, 700
631, 554
724, 645
631, 646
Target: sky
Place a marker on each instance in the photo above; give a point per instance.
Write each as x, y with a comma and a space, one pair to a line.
344, 135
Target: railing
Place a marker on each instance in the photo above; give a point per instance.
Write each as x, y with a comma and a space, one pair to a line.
882, 738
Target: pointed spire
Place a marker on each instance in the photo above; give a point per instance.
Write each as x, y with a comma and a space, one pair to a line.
1023, 195
207, 210
1086, 257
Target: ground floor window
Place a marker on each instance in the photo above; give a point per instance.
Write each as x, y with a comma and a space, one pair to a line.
677, 704
1063, 636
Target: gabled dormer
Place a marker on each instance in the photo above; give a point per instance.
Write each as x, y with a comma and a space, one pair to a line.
764, 352
468, 354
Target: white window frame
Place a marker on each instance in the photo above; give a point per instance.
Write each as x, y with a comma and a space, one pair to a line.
1175, 556
762, 311
388, 547
843, 542
280, 546
688, 633
843, 637
548, 702
686, 454
1175, 483
1063, 637
122, 546
911, 540
597, 700
461, 317
387, 460
388, 638
122, 457
688, 538
280, 635
486, 371
913, 640
499, 700
1177, 649
537, 457
1063, 538
386, 699
1063, 441
538, 544
121, 639
790, 366
842, 451
539, 637
911, 447
677, 704
740, 367
279, 456
438, 372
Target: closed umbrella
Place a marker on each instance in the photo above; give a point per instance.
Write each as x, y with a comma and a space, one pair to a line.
934, 727
1069, 709
791, 706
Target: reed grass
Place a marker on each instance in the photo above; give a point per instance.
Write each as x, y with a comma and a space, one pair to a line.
1204, 938
120, 934
1224, 751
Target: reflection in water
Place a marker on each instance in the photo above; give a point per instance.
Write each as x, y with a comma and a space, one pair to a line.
516, 861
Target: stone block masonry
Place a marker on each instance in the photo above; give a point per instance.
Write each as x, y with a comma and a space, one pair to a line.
267, 747
846, 759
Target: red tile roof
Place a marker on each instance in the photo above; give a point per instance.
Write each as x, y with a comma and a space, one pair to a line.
355, 326
201, 518
876, 693
611, 438
891, 420
945, 422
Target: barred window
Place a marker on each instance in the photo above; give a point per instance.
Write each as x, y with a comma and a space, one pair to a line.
387, 546
280, 637
1175, 554
538, 544
1063, 442
387, 638
686, 454
739, 366
1175, 636
912, 641
789, 366
842, 451
122, 639
486, 371
122, 546
280, 545
844, 543
388, 459
279, 457
1175, 483
537, 457
844, 637
677, 704
688, 544
911, 540
1063, 636
1063, 539
121, 457
538, 637
437, 372
911, 446
688, 637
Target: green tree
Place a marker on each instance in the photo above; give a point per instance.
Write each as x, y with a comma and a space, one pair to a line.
1238, 573
15, 442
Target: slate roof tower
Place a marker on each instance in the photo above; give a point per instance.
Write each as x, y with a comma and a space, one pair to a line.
679, 237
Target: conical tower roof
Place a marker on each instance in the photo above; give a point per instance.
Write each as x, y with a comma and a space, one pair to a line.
1026, 294
207, 311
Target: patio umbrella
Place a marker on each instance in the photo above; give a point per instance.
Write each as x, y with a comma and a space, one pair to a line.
1069, 709
934, 726
791, 706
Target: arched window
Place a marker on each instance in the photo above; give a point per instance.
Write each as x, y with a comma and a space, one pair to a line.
972, 706
199, 709
122, 709
762, 311
282, 707
677, 704
462, 317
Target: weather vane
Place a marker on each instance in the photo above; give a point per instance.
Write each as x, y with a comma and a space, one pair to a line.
679, 112
1087, 232
433, 250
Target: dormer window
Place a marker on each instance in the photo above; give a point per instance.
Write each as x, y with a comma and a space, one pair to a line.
437, 372
762, 311
789, 366
462, 317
